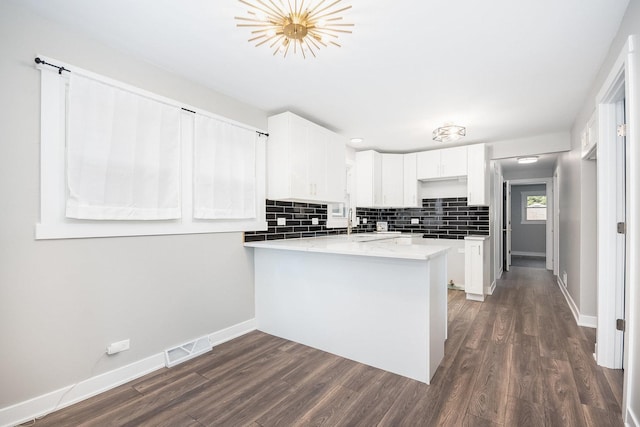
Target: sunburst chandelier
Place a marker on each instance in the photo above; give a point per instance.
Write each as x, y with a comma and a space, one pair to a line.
304, 26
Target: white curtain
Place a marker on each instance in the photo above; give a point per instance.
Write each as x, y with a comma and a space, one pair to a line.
123, 154
224, 170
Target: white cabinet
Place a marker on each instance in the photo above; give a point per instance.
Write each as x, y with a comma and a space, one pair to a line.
475, 268
305, 162
379, 179
392, 180
477, 177
442, 164
410, 181
368, 178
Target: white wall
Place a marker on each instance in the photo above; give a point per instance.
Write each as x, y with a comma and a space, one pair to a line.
531, 145
577, 213
62, 302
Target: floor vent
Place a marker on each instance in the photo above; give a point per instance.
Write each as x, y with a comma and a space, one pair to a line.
186, 351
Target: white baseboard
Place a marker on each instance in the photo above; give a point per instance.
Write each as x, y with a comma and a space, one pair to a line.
66, 396
521, 253
475, 297
632, 420
489, 289
232, 332
581, 319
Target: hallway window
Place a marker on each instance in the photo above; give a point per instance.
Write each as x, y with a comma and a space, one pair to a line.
534, 207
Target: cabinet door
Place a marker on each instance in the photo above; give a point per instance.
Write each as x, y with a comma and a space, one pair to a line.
364, 178
316, 163
428, 164
453, 162
473, 277
477, 179
300, 145
336, 168
392, 180
410, 186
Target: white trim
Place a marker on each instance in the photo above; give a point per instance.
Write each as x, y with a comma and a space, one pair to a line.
581, 319
523, 253
632, 419
609, 195
42, 405
232, 332
549, 247
489, 289
475, 297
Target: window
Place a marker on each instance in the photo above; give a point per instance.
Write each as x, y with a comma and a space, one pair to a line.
159, 189
534, 207
338, 213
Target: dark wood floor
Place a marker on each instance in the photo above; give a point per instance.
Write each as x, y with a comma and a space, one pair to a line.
528, 261
518, 359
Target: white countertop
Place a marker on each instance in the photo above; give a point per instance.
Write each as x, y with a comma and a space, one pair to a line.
363, 244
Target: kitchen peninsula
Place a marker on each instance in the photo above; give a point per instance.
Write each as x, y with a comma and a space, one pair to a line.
377, 299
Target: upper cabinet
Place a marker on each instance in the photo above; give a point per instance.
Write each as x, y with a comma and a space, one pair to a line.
379, 179
477, 177
392, 180
442, 164
305, 162
368, 178
410, 184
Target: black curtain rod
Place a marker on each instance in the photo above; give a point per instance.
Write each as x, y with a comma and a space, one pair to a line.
60, 68
262, 133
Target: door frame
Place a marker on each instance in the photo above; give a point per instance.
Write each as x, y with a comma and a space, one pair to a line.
625, 76
551, 215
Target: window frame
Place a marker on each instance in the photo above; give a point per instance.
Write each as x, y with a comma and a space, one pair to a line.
523, 202
53, 224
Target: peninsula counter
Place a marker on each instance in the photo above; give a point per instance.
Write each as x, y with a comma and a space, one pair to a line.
378, 300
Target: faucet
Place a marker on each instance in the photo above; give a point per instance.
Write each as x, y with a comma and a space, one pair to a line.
349, 223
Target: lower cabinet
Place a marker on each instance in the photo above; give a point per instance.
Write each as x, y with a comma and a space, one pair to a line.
475, 271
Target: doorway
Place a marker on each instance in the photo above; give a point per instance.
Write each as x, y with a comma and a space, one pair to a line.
528, 223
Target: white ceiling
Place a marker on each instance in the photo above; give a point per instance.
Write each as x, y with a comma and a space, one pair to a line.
502, 68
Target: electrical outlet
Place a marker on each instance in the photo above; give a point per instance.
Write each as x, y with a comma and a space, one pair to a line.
415, 220
364, 220
564, 278
117, 347
314, 221
282, 221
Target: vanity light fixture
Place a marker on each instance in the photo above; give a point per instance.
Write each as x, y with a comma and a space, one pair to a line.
299, 25
449, 132
527, 160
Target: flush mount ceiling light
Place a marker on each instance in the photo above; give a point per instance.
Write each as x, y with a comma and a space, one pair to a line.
357, 140
449, 132
301, 26
526, 160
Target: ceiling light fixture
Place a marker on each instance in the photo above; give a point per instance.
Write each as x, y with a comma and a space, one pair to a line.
449, 132
527, 160
306, 26
357, 140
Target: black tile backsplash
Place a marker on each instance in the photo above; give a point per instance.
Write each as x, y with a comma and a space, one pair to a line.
299, 222
447, 218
